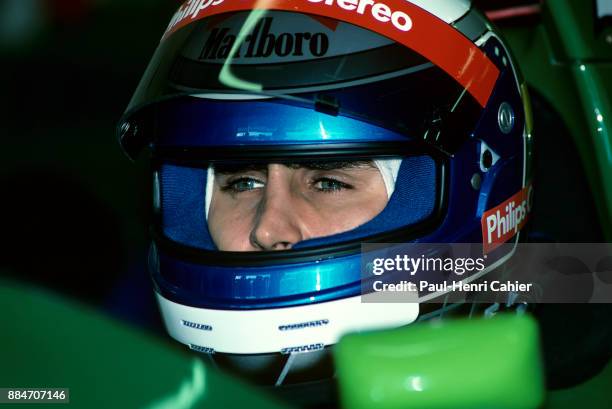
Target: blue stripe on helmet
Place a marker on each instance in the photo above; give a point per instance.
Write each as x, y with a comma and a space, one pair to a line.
200, 122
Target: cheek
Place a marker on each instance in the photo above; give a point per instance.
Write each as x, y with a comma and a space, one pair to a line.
362, 211
377, 198
374, 198
355, 209
227, 233
229, 224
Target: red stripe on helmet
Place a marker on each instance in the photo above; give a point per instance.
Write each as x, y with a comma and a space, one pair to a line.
398, 20
330, 23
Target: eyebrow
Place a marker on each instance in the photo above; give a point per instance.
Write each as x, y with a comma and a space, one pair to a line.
228, 169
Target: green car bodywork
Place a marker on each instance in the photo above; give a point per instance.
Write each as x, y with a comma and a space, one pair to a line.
567, 59
486, 363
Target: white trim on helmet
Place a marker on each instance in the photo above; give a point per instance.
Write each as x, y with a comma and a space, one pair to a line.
389, 169
210, 183
280, 330
449, 11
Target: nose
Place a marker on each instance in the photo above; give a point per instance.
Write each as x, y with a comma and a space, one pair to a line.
276, 225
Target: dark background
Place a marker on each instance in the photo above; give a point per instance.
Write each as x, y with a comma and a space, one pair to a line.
73, 208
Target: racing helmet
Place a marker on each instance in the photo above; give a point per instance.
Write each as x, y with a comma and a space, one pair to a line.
426, 90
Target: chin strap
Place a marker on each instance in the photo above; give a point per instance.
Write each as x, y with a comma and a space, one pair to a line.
285, 371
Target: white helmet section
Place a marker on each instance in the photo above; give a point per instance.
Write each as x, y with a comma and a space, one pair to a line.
447, 10
281, 330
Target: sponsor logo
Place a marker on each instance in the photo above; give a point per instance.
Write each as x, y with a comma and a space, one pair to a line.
204, 350
502, 222
196, 325
379, 10
261, 42
302, 325
478, 74
190, 9
301, 349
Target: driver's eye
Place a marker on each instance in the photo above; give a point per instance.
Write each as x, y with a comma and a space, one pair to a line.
243, 184
330, 185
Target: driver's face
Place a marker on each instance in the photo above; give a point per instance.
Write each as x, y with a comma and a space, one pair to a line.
274, 206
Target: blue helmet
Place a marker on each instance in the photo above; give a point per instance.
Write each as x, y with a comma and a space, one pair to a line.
428, 92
